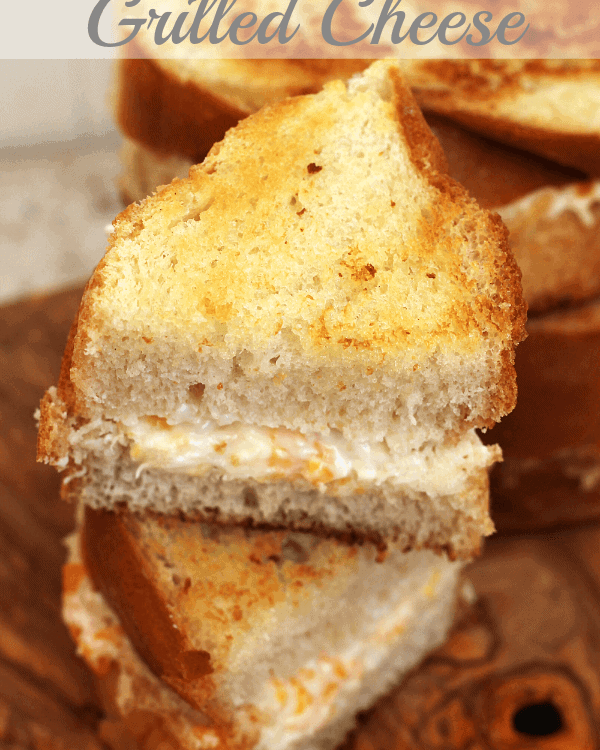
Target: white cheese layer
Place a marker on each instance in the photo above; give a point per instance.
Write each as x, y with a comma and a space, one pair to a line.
245, 451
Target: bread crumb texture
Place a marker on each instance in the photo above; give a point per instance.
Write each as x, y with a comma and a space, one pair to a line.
321, 236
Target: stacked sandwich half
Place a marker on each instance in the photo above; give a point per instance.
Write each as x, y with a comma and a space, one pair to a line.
266, 414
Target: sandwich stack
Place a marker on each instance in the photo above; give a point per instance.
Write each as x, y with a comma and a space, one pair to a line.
266, 414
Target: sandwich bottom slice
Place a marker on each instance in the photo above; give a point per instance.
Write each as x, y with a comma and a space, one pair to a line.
205, 636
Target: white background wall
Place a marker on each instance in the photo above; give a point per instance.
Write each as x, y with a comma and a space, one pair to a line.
49, 100
58, 172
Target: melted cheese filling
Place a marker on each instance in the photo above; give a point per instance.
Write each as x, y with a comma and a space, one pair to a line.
245, 451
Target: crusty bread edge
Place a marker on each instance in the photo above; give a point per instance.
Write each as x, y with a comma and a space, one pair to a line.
130, 691
168, 115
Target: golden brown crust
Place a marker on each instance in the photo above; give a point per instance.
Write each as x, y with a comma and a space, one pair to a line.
53, 431
558, 253
52, 440
122, 575
485, 80
481, 293
424, 150
490, 96
141, 712
429, 156
495, 175
65, 389
552, 212
56, 412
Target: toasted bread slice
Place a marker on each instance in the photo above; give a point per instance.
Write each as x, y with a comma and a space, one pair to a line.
549, 107
172, 112
322, 304
294, 246
274, 639
552, 212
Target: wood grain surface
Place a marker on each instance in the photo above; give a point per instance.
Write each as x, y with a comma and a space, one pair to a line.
521, 669
47, 698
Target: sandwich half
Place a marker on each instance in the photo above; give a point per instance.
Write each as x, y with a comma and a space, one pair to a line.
213, 637
305, 334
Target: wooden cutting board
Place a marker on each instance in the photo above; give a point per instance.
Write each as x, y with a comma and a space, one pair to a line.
47, 699
520, 670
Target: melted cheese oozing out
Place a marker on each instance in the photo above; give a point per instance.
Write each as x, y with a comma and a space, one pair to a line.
244, 451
